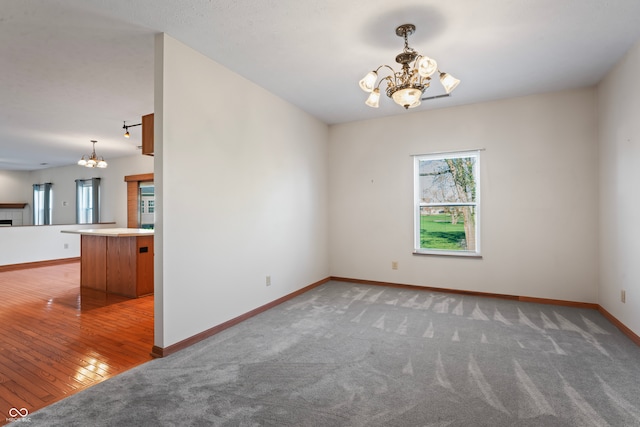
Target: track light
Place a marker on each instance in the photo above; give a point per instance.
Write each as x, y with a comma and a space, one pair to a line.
126, 127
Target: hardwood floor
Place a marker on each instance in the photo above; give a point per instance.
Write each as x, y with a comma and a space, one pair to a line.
56, 340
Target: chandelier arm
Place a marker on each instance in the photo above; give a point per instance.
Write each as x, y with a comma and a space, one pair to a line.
387, 79
382, 66
393, 72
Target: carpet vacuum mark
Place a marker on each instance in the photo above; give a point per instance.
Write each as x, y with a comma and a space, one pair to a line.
357, 355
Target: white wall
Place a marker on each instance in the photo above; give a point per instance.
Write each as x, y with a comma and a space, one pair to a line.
41, 243
15, 187
241, 179
619, 136
539, 196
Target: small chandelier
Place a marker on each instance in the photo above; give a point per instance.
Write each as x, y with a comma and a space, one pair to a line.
406, 87
92, 161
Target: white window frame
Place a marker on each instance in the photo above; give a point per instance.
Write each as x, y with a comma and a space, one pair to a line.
419, 204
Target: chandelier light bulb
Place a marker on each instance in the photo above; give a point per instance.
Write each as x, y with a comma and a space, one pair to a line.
127, 134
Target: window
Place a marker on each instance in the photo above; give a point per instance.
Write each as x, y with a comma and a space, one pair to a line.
42, 206
447, 203
147, 205
88, 201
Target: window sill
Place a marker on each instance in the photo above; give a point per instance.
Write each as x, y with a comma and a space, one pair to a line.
449, 254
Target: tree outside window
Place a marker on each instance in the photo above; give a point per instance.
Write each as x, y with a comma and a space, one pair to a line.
447, 208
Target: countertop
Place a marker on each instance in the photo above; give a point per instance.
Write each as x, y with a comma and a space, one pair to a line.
112, 232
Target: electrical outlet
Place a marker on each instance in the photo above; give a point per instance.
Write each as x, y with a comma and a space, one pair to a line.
623, 296
268, 280
66, 246
394, 265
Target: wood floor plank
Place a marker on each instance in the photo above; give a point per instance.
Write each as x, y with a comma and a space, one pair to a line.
62, 358
9, 399
56, 340
18, 373
51, 367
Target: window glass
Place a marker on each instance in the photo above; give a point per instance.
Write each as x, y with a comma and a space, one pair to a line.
447, 203
147, 205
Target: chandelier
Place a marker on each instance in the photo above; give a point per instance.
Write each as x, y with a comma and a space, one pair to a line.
406, 87
92, 161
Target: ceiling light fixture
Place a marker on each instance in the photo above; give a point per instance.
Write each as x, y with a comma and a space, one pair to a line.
406, 87
126, 127
92, 161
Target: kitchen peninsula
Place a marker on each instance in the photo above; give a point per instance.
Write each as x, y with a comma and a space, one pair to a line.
116, 260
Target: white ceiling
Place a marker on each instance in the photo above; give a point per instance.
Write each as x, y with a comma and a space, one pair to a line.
74, 70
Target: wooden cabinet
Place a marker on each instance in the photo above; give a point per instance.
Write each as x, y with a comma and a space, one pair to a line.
147, 134
93, 262
130, 265
120, 265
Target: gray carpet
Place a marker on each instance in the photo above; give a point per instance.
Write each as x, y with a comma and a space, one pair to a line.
356, 355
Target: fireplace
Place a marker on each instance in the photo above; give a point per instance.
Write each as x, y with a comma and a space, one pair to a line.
12, 214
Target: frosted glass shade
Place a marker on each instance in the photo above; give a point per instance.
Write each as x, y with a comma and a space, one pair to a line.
449, 82
369, 81
427, 66
374, 98
408, 98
